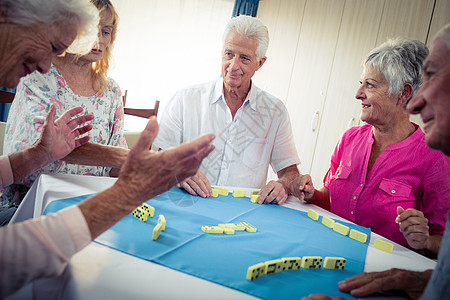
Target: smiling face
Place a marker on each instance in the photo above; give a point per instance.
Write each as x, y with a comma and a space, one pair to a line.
239, 61
27, 49
377, 106
432, 100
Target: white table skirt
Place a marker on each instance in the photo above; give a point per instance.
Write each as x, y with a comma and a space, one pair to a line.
99, 272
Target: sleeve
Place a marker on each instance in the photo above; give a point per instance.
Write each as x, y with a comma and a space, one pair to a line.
40, 248
284, 151
116, 118
170, 132
6, 174
436, 196
35, 94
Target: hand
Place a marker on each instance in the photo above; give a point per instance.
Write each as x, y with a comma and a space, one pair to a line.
413, 283
322, 297
273, 192
302, 187
414, 226
197, 185
146, 174
59, 137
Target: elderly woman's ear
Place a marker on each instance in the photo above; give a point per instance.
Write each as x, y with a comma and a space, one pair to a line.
406, 93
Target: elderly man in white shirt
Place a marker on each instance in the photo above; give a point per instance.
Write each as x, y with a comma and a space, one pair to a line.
252, 127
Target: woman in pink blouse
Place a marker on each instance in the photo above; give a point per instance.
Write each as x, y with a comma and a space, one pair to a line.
382, 174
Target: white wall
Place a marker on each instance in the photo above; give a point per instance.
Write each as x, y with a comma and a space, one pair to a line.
165, 45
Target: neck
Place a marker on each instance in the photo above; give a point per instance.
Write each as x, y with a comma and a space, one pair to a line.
392, 133
235, 97
69, 65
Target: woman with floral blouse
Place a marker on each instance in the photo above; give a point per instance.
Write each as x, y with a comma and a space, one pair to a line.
72, 81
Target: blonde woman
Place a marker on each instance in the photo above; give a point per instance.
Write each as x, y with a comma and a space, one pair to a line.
72, 81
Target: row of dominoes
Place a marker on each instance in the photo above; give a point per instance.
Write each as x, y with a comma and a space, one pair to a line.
229, 228
354, 234
254, 197
339, 228
294, 263
144, 211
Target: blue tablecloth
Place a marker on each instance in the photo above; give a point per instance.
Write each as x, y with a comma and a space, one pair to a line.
224, 259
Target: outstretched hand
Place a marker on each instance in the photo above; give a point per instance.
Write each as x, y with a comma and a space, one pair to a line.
60, 137
146, 174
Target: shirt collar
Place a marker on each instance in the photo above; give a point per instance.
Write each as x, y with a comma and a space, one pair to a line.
251, 96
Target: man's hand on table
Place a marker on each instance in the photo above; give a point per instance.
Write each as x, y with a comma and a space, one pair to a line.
322, 297
197, 185
364, 284
273, 192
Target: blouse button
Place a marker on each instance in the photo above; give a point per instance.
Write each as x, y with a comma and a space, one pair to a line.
393, 191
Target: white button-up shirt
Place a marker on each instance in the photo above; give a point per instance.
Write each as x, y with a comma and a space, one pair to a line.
260, 133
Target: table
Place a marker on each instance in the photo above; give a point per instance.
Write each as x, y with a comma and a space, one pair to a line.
98, 272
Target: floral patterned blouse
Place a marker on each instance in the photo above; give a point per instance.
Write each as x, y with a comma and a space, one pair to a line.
34, 95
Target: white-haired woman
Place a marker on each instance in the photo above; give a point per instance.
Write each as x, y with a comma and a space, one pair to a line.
72, 80
382, 174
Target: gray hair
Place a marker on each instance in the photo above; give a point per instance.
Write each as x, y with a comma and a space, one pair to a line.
27, 13
252, 28
400, 60
444, 34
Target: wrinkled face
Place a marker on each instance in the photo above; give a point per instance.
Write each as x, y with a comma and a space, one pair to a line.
239, 61
432, 100
104, 39
377, 106
27, 49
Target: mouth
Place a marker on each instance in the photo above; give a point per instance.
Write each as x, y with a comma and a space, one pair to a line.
96, 51
364, 106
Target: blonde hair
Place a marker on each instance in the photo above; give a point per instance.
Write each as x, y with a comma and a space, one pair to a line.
100, 68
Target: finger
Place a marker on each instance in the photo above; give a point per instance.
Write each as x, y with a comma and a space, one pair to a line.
51, 115
303, 181
410, 212
198, 148
199, 186
264, 192
74, 123
69, 114
82, 130
82, 141
205, 185
188, 188
147, 136
282, 198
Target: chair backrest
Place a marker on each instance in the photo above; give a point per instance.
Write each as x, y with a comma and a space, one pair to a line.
6, 97
140, 112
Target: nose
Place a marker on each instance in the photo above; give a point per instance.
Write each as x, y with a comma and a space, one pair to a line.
234, 63
360, 95
416, 104
43, 66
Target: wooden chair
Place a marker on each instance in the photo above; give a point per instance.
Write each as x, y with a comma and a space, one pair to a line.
6, 97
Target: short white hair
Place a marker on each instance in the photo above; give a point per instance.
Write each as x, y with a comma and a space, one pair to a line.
27, 13
252, 28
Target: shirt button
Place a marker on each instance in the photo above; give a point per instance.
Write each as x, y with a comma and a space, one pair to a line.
351, 212
354, 197
393, 191
362, 184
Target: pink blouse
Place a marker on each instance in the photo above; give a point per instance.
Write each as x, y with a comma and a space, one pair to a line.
407, 174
